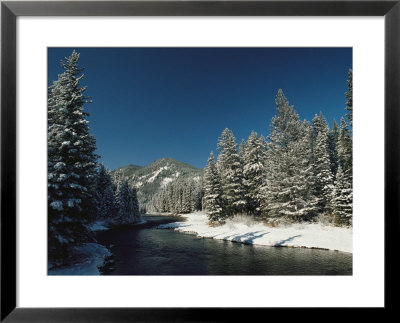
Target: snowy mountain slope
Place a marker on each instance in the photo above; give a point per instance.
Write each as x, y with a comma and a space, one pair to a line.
149, 179
130, 169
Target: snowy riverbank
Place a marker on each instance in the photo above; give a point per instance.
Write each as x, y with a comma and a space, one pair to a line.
241, 230
102, 226
88, 258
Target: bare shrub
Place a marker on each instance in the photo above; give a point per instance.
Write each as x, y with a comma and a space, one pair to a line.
324, 219
242, 219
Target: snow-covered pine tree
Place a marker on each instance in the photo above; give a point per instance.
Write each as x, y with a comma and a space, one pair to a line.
301, 202
284, 129
199, 194
288, 192
107, 205
213, 192
254, 172
186, 198
343, 203
122, 196
71, 163
343, 199
332, 146
242, 148
319, 124
345, 148
231, 172
349, 97
264, 143
323, 177
285, 126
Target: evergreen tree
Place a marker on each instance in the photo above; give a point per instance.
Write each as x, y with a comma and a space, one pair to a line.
349, 97
319, 124
71, 163
263, 143
323, 177
231, 172
199, 194
242, 149
332, 147
300, 199
254, 172
285, 126
122, 196
213, 192
288, 192
344, 148
343, 199
186, 198
107, 205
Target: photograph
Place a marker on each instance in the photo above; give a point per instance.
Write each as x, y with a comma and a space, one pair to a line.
200, 161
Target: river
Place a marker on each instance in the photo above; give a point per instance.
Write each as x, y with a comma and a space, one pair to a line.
146, 250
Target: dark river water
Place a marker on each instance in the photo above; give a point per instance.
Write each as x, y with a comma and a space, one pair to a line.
145, 250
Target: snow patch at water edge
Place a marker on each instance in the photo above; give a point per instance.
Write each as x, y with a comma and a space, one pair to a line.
304, 235
87, 260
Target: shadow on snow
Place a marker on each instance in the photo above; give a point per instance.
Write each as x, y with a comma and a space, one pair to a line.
280, 243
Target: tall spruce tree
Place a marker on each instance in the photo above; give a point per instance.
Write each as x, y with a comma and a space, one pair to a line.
231, 172
319, 124
126, 198
123, 200
323, 177
288, 192
213, 192
254, 172
71, 163
343, 199
302, 203
343, 193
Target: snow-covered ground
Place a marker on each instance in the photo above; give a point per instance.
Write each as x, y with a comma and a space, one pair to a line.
88, 258
98, 226
241, 230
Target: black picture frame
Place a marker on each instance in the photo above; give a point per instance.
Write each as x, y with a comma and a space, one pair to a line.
10, 10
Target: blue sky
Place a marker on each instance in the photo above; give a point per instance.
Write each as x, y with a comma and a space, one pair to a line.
150, 103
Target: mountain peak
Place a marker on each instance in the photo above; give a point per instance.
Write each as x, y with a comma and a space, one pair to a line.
167, 160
